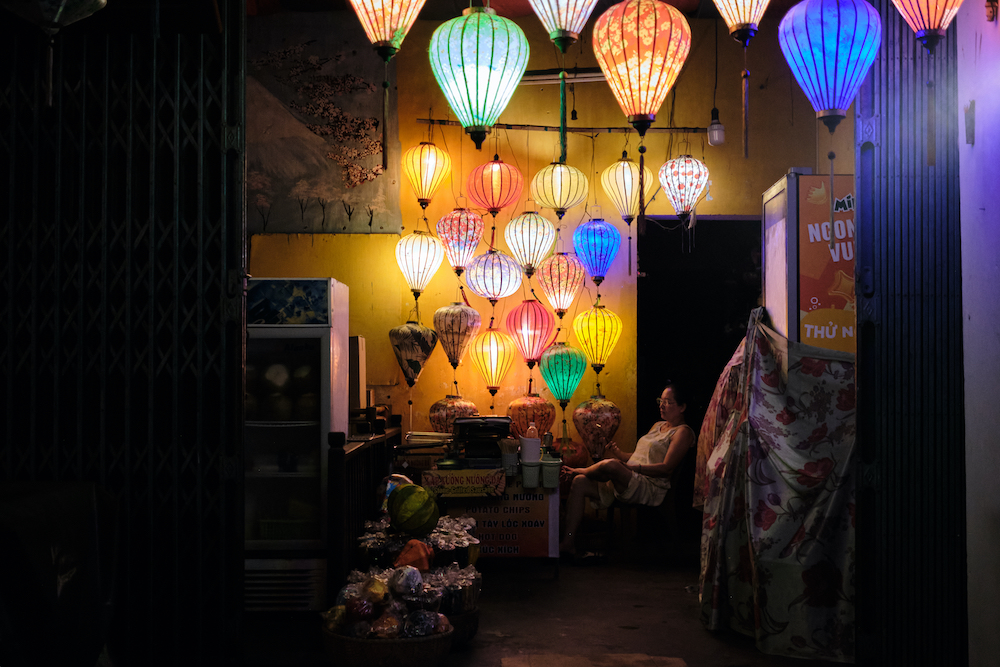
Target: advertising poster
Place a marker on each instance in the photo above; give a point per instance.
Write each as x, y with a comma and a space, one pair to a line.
826, 271
519, 523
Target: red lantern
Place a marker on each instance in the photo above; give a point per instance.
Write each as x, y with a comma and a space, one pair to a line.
531, 325
495, 185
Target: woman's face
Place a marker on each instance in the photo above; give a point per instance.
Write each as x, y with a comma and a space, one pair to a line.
669, 409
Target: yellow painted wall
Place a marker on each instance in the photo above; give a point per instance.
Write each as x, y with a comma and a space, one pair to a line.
783, 134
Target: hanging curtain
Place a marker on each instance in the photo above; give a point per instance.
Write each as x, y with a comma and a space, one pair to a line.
777, 560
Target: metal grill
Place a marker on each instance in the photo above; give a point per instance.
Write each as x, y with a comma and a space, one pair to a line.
122, 340
911, 578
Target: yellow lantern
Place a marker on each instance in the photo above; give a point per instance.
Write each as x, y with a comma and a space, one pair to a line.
492, 353
559, 186
598, 331
426, 166
621, 184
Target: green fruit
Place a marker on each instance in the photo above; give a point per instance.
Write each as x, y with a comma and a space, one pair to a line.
412, 510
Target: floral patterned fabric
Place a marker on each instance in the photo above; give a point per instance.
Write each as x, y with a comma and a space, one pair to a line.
727, 398
777, 558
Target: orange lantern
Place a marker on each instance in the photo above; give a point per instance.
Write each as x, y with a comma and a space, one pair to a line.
386, 22
929, 19
641, 46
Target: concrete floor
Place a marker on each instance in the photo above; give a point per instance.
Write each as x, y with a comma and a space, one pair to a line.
638, 608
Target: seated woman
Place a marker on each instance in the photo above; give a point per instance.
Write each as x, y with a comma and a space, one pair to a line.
640, 478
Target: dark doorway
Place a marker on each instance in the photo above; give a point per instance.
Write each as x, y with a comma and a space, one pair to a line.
695, 291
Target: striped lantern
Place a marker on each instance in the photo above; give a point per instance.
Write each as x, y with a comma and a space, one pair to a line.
460, 232
561, 277
621, 184
425, 167
562, 367
492, 353
560, 187
419, 255
495, 185
742, 17
598, 331
531, 325
387, 22
493, 275
929, 19
456, 324
529, 237
563, 19
596, 242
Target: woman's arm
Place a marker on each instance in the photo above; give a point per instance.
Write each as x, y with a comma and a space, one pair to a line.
611, 449
680, 441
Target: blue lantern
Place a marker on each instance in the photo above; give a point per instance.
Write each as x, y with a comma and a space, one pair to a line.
830, 46
596, 243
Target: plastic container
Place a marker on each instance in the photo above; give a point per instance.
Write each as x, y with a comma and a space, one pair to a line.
509, 462
531, 449
550, 473
532, 431
531, 474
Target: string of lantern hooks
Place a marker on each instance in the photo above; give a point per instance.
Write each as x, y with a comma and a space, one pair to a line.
576, 130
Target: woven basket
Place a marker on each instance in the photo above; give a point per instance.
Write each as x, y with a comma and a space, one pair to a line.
416, 652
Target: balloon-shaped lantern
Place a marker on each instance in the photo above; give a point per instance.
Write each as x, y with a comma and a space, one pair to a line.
492, 353
529, 237
929, 19
495, 185
531, 325
598, 330
443, 413
425, 167
530, 408
412, 343
418, 255
460, 232
478, 59
597, 420
830, 45
742, 17
641, 46
561, 278
563, 367
621, 185
596, 242
563, 19
386, 23
560, 187
683, 179
456, 325
493, 275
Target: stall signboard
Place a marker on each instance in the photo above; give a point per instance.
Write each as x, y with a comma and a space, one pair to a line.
826, 270
465, 483
518, 523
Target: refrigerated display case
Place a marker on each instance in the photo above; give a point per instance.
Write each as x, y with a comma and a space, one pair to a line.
297, 376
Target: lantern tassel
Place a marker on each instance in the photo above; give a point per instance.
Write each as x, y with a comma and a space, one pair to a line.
746, 106
831, 155
562, 117
385, 119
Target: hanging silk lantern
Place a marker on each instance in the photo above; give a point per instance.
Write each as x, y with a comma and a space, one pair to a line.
596, 242
563, 19
641, 46
562, 367
412, 343
493, 353
460, 232
598, 331
386, 22
51, 16
529, 237
478, 59
929, 19
742, 17
456, 324
597, 420
530, 408
830, 45
443, 413
495, 185
426, 166
560, 187
683, 179
531, 325
493, 275
621, 184
561, 278
419, 255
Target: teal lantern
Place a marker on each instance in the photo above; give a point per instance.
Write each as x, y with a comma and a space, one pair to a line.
478, 59
562, 368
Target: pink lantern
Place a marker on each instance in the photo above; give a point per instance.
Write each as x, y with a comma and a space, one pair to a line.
495, 185
561, 277
460, 232
531, 325
531, 408
683, 179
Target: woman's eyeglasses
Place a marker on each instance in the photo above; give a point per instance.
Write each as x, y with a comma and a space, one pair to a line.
660, 402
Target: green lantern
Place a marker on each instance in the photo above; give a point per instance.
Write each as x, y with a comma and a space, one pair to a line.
478, 59
563, 367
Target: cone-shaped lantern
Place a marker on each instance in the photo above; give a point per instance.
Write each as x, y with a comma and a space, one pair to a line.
419, 255
493, 353
596, 242
830, 45
456, 325
560, 187
529, 237
641, 46
531, 326
493, 275
621, 184
563, 19
386, 22
495, 185
425, 167
412, 343
742, 17
478, 59
683, 179
598, 330
929, 19
561, 278
562, 367
460, 232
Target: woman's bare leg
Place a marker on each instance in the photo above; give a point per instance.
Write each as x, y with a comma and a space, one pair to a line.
611, 470
581, 488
